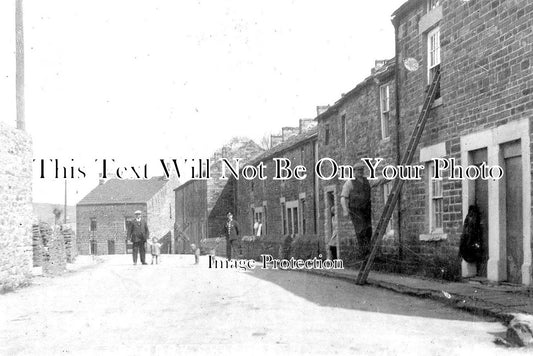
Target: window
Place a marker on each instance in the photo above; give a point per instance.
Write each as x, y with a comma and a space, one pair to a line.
387, 188
284, 218
384, 104
302, 211
343, 130
435, 201
302, 156
265, 220
258, 225
293, 219
433, 4
127, 221
326, 135
93, 224
170, 211
433, 55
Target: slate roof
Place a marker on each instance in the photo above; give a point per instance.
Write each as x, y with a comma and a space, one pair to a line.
124, 191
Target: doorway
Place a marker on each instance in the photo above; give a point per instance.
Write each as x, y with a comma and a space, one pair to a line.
513, 211
481, 200
110, 247
331, 223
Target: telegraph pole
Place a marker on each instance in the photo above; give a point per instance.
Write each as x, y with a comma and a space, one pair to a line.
19, 41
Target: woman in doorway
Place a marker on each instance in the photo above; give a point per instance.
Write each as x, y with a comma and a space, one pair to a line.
471, 246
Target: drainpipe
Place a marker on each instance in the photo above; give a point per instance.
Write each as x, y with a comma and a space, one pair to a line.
398, 155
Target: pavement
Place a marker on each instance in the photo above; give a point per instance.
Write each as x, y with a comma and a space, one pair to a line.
495, 300
109, 306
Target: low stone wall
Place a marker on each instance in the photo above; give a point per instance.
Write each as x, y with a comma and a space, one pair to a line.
16, 208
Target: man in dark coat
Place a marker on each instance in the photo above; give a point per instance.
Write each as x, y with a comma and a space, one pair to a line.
138, 234
231, 231
355, 202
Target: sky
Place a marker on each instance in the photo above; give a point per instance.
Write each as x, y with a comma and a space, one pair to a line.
140, 80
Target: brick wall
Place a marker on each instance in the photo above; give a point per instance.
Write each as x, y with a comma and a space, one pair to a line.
110, 226
486, 82
15, 204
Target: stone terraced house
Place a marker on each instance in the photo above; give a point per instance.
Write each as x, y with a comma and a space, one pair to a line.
481, 116
284, 211
484, 51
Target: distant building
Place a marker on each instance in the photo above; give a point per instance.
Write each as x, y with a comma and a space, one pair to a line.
202, 205
103, 215
282, 215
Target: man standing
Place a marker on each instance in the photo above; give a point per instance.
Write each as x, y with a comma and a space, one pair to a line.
231, 231
138, 234
355, 202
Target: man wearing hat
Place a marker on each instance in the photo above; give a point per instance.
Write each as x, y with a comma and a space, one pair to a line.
231, 231
355, 202
138, 234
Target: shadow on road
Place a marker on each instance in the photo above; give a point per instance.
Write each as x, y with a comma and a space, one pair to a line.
334, 293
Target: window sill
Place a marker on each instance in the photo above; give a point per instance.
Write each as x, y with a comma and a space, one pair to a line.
434, 236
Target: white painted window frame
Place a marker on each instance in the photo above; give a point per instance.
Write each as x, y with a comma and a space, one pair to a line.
384, 108
433, 51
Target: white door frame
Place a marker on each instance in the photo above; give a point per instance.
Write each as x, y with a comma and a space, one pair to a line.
492, 140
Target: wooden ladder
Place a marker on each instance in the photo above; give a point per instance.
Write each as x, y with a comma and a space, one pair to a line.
394, 195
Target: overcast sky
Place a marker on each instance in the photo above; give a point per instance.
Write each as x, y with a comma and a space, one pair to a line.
140, 80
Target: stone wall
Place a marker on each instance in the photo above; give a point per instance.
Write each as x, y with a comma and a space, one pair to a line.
270, 197
161, 211
360, 108
191, 214
202, 205
15, 204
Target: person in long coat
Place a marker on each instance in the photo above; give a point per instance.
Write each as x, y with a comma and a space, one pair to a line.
138, 234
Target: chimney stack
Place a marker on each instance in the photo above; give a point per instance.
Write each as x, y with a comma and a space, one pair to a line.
306, 124
288, 132
275, 140
378, 64
321, 109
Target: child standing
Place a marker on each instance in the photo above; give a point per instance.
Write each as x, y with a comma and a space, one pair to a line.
155, 248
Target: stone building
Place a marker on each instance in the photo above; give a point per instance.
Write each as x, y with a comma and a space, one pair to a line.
15, 204
360, 124
102, 215
483, 114
283, 210
202, 204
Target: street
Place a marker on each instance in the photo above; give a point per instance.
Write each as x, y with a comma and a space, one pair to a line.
115, 307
